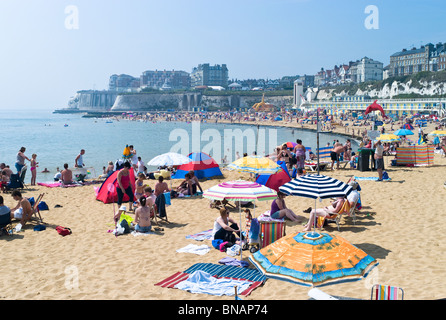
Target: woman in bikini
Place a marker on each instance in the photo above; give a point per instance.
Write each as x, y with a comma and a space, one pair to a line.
33, 169
139, 190
285, 155
142, 217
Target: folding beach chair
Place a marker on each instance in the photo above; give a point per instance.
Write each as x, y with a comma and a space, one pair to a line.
271, 231
6, 224
380, 292
335, 217
35, 208
14, 182
22, 175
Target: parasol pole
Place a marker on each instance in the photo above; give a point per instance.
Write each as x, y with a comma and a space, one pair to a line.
317, 139
240, 214
318, 152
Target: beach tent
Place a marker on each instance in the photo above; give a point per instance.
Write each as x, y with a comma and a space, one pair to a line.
107, 191
203, 165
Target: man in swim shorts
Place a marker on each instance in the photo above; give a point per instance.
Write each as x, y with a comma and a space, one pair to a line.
23, 211
334, 154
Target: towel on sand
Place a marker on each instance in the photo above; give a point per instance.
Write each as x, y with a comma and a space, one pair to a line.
200, 236
192, 248
202, 282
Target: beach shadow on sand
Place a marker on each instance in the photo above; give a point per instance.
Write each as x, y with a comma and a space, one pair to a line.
374, 250
14, 236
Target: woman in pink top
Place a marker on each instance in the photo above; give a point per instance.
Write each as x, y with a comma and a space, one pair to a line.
124, 186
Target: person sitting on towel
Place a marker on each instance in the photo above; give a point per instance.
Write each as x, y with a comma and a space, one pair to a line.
142, 217
66, 175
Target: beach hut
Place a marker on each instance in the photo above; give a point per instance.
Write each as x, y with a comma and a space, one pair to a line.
203, 165
107, 191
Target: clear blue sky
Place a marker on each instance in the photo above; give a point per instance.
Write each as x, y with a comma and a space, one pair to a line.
42, 63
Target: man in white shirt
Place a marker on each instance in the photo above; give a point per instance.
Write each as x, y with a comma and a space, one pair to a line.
141, 166
354, 195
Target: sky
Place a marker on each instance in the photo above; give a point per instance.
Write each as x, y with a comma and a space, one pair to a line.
49, 50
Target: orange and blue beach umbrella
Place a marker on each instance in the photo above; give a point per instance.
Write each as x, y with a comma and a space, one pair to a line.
313, 259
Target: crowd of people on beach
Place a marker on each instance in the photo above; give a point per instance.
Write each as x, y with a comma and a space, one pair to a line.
144, 199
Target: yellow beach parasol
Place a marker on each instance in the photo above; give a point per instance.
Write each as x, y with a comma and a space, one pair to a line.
255, 164
390, 137
438, 133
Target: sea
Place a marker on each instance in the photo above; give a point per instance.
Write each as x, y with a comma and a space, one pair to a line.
58, 138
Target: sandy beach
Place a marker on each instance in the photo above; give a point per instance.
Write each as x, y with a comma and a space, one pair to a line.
400, 225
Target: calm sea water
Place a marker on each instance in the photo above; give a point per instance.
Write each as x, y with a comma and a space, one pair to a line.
58, 138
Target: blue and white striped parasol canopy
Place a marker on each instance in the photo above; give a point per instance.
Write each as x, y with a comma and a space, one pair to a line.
316, 186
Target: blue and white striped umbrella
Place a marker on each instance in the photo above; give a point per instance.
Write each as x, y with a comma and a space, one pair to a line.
316, 186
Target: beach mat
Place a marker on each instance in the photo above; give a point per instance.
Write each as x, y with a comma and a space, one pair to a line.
219, 271
370, 178
200, 236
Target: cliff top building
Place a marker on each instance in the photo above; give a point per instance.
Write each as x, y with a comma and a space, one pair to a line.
207, 75
123, 83
425, 58
162, 79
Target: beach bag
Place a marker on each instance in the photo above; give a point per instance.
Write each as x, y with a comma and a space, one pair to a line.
385, 175
125, 217
216, 243
234, 250
124, 224
42, 206
63, 231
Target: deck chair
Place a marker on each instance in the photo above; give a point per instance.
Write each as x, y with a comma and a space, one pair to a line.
380, 292
22, 175
35, 208
6, 224
336, 217
271, 231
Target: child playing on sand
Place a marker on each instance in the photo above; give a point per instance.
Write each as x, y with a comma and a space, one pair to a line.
33, 169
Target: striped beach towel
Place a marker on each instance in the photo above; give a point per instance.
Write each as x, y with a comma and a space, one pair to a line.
219, 271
